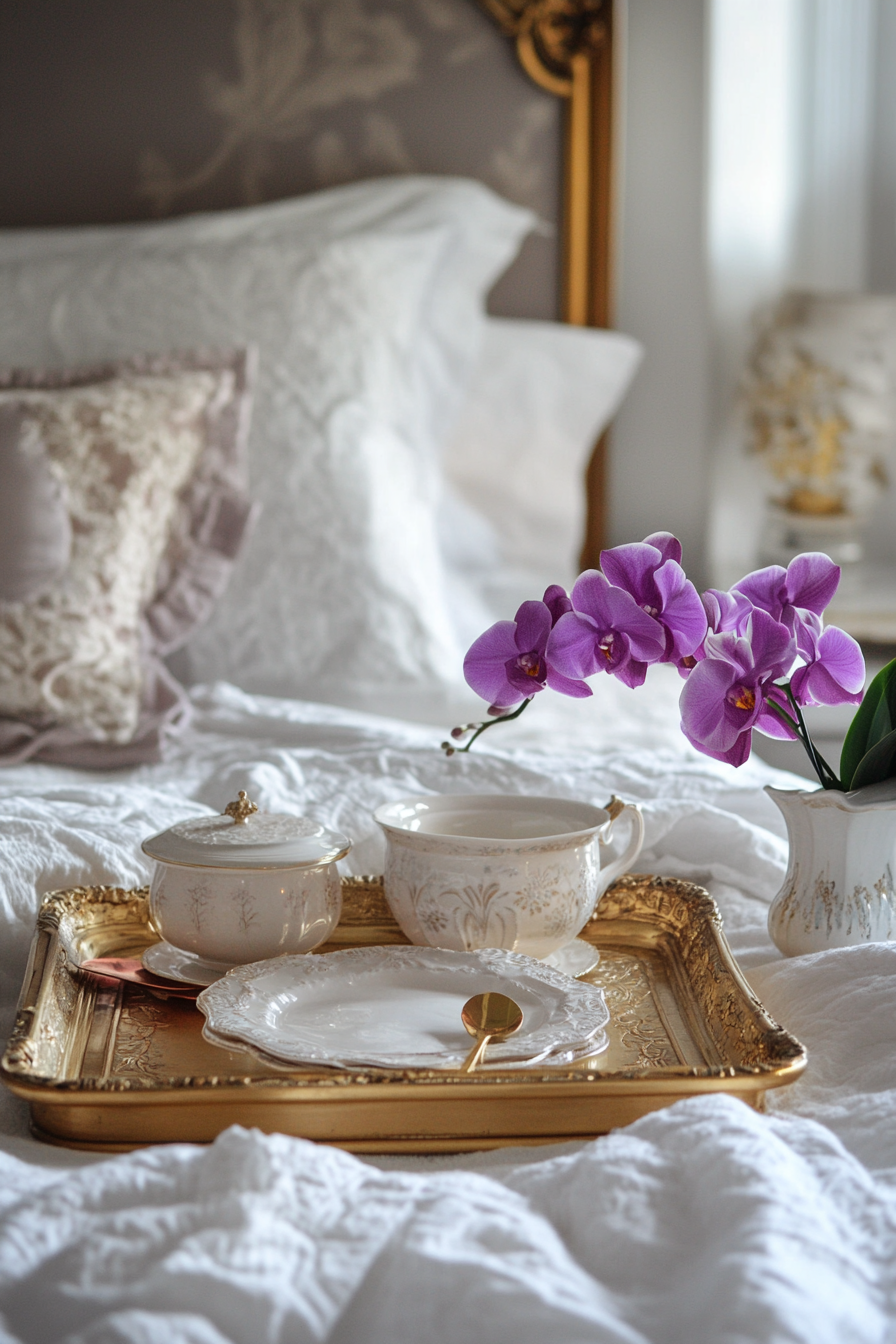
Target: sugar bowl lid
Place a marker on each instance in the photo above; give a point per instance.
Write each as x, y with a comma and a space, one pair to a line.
243, 837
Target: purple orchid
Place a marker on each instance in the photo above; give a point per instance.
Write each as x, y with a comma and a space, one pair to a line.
723, 611
796, 595
557, 602
650, 571
726, 611
834, 673
607, 631
751, 657
726, 695
509, 662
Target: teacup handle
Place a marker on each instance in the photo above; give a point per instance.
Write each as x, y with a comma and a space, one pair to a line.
617, 808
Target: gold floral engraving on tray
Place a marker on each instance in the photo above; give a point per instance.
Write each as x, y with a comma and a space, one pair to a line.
364, 901
738, 1025
633, 1014
21, 1052
135, 1051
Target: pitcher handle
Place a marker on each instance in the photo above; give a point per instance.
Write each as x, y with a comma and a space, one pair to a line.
618, 865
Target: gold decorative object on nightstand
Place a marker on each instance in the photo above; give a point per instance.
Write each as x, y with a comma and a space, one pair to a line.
820, 394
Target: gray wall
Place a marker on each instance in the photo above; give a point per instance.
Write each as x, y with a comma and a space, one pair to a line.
116, 110
659, 441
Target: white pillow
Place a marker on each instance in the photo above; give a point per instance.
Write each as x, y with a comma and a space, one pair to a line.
541, 397
365, 304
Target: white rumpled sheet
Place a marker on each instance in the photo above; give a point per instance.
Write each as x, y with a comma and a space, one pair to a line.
702, 1222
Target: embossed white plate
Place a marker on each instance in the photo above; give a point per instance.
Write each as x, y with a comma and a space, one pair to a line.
549, 1059
396, 1007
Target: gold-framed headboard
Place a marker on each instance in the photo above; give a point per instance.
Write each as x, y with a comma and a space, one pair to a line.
566, 46
116, 113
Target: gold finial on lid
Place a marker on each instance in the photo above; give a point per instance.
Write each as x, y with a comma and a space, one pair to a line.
240, 809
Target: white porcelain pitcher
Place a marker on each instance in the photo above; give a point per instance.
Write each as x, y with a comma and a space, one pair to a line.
839, 885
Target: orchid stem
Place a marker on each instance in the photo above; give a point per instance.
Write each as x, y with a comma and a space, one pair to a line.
490, 723
794, 727
826, 776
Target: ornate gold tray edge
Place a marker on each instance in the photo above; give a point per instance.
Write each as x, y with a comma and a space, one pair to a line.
741, 1050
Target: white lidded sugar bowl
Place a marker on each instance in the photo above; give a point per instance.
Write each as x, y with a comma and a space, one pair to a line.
246, 885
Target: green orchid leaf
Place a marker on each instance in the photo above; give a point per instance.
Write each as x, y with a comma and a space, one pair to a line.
874, 720
877, 764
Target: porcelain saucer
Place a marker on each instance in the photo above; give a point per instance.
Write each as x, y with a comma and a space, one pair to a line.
575, 958
168, 960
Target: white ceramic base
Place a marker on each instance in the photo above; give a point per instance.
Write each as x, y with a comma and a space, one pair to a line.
839, 888
576, 958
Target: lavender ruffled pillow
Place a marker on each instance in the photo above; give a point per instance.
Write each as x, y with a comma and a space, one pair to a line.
123, 506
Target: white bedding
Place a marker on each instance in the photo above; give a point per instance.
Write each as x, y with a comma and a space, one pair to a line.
703, 1222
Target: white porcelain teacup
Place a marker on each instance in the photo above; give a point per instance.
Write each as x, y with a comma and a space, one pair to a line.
465, 871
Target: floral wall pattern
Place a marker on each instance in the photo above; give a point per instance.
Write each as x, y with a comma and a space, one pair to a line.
112, 111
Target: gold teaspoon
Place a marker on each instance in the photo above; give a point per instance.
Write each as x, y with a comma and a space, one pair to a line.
488, 1017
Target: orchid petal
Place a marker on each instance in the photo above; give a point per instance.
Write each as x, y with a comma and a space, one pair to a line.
646, 635
668, 546
572, 646
812, 580
486, 660
557, 602
732, 649
589, 597
631, 673
814, 685
681, 609
768, 721
703, 697
533, 625
631, 568
567, 685
765, 588
739, 753
807, 629
835, 675
525, 683
842, 658
726, 611
772, 644
735, 755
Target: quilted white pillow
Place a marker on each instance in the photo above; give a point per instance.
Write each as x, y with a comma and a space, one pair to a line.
541, 397
365, 305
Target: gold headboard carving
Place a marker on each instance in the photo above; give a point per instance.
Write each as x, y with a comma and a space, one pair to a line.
566, 46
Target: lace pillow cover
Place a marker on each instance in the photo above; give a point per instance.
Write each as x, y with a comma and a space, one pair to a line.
118, 527
365, 304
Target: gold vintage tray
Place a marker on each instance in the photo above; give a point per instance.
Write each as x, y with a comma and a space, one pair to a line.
110, 1069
